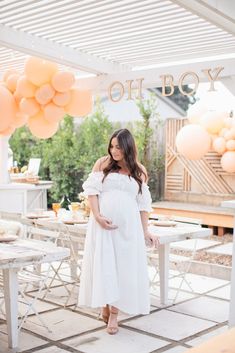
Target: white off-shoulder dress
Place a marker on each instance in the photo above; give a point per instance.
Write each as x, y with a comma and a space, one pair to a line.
114, 269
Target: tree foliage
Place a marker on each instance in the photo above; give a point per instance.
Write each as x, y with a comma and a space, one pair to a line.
148, 136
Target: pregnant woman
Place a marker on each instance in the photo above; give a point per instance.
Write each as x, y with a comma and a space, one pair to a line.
114, 272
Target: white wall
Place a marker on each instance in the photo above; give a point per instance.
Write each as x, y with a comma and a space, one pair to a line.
126, 110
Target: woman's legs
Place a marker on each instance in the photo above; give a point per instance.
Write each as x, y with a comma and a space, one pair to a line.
112, 327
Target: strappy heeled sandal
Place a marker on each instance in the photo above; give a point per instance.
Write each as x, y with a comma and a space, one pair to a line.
105, 312
112, 330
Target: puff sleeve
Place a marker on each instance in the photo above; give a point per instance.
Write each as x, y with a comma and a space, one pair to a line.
144, 199
93, 185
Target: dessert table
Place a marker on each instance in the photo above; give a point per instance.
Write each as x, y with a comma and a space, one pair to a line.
13, 256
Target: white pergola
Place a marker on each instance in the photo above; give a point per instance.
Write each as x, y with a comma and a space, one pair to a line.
103, 41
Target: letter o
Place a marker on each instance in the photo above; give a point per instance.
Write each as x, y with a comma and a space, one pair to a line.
182, 77
121, 89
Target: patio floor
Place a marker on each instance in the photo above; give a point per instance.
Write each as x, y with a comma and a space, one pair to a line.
173, 328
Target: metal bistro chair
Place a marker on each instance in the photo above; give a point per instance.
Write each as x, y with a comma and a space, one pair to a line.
181, 263
51, 232
27, 294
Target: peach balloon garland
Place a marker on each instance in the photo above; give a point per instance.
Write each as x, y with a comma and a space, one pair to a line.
40, 98
208, 129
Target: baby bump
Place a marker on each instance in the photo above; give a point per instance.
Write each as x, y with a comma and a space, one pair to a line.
118, 206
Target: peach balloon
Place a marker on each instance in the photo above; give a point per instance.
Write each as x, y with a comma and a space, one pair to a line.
63, 81
8, 108
223, 131
11, 82
228, 161
8, 73
44, 94
232, 130
40, 127
228, 122
9, 131
80, 103
228, 135
29, 106
195, 112
213, 121
20, 119
25, 88
219, 145
61, 99
17, 97
53, 113
192, 141
39, 71
230, 145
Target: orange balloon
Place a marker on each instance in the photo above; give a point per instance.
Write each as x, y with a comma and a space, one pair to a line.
39, 71
40, 127
61, 99
8, 108
228, 161
8, 73
29, 106
219, 145
20, 119
25, 88
62, 81
44, 94
230, 144
53, 113
9, 131
80, 103
11, 82
192, 141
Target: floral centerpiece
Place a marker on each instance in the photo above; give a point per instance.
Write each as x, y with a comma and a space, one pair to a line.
84, 204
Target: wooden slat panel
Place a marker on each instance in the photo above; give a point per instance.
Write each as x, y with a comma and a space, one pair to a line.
203, 176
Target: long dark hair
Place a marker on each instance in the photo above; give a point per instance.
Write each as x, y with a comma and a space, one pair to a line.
126, 143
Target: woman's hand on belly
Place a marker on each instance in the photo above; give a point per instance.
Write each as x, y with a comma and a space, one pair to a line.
105, 222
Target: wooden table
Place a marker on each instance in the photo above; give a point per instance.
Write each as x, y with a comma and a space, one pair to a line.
13, 256
166, 236
231, 204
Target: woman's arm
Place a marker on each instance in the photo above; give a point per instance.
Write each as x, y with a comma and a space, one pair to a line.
103, 221
153, 239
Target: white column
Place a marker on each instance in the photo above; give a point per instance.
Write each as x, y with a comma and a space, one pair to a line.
4, 176
232, 298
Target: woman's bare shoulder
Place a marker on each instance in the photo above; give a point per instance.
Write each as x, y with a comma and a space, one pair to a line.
101, 164
144, 175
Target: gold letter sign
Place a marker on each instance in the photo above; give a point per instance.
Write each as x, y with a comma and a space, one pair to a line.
167, 81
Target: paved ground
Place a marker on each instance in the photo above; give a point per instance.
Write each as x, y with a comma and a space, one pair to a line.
195, 317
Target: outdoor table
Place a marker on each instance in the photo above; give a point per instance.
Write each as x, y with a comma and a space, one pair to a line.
166, 236
231, 204
13, 256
